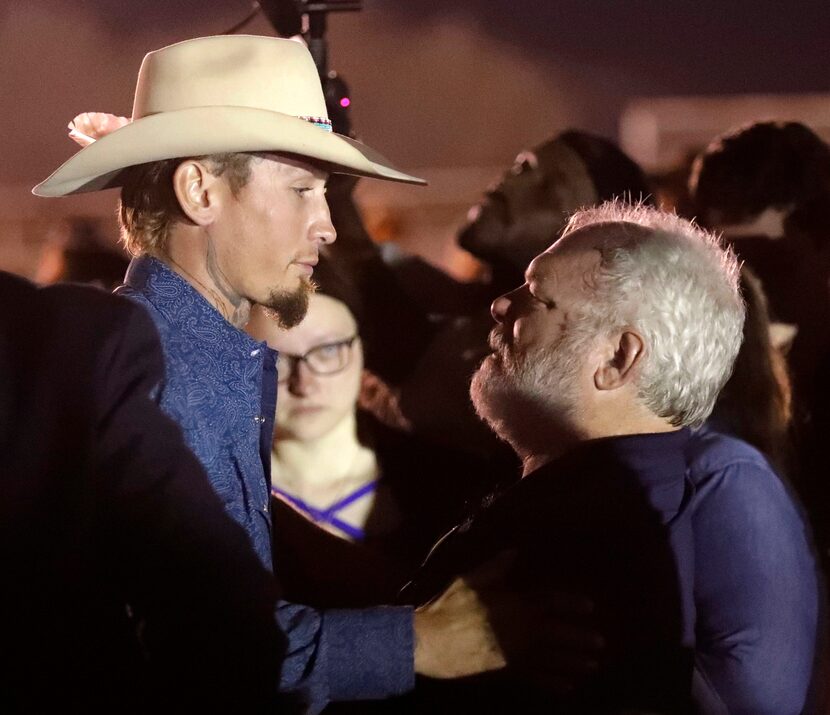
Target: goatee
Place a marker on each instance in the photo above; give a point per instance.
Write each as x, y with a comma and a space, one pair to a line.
288, 308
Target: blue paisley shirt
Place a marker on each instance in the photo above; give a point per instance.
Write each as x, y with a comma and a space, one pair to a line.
220, 386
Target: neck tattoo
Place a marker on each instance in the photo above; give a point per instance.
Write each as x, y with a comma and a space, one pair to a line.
219, 301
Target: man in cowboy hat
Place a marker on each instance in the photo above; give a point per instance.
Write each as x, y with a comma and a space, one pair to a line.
223, 170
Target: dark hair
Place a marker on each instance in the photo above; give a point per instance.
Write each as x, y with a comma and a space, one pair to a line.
756, 403
332, 280
760, 166
574, 169
614, 173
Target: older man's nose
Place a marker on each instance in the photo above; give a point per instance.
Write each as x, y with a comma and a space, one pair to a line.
500, 307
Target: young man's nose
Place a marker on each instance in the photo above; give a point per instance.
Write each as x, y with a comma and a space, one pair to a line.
322, 229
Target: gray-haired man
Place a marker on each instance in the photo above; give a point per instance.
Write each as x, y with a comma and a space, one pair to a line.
605, 365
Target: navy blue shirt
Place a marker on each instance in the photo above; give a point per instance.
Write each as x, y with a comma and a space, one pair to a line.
220, 386
747, 595
756, 586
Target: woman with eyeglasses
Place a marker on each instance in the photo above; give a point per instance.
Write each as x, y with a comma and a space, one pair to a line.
358, 501
318, 465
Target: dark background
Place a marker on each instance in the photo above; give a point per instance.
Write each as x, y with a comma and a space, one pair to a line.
446, 86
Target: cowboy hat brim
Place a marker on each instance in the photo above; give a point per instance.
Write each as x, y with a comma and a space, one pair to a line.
199, 131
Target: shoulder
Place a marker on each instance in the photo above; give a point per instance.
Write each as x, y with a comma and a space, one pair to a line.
68, 317
135, 298
756, 578
710, 451
102, 344
739, 500
176, 349
722, 464
15, 287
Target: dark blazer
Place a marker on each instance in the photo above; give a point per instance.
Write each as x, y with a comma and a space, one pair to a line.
107, 521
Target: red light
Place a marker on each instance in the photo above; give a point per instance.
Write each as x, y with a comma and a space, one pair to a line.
345, 102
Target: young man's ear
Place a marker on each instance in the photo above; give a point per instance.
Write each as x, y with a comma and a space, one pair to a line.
620, 360
197, 191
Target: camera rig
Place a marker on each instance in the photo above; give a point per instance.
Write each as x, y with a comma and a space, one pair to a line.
309, 18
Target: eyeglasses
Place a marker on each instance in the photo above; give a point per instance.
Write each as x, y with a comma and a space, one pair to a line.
325, 359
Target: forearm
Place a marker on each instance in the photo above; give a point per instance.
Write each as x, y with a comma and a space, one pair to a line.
339, 655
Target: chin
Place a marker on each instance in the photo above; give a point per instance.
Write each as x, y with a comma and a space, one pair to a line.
295, 433
289, 307
488, 389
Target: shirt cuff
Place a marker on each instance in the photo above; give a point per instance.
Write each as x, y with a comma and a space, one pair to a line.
369, 652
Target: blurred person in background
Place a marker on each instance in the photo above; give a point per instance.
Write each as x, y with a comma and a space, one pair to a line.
83, 258
530, 206
384, 301
766, 186
345, 458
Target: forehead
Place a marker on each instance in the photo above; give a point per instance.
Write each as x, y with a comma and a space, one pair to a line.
290, 167
565, 265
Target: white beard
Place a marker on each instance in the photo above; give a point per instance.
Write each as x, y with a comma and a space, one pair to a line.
536, 394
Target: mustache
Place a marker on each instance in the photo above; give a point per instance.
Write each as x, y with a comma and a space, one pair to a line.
497, 340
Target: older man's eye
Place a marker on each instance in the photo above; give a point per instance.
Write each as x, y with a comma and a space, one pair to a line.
302, 190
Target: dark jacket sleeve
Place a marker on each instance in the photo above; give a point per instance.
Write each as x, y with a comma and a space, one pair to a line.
205, 601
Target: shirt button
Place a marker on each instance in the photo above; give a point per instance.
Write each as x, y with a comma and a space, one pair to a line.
265, 507
259, 419
254, 353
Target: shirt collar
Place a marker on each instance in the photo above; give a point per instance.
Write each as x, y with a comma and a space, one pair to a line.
184, 307
657, 458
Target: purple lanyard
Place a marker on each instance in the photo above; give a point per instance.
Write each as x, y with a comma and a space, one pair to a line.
329, 515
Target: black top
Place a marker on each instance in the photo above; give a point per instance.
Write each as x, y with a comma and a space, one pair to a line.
608, 521
107, 520
429, 487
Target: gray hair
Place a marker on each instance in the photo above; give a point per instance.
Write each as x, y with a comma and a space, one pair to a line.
679, 287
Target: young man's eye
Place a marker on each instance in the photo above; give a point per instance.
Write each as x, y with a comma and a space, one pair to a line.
302, 190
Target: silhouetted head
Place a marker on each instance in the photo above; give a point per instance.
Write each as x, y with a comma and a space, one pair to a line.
764, 166
528, 209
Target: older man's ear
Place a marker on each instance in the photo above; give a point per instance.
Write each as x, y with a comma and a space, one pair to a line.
620, 360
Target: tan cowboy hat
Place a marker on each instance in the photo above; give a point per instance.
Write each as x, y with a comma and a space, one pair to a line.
221, 94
